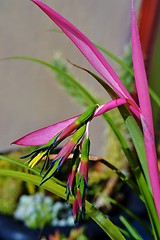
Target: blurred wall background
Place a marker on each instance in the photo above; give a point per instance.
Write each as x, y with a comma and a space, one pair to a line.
30, 97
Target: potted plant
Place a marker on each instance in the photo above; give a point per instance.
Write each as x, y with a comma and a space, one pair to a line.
142, 176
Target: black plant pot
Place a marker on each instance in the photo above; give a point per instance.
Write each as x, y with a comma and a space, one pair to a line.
14, 230
11, 229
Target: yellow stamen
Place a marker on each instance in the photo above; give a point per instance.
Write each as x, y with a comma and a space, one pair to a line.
36, 159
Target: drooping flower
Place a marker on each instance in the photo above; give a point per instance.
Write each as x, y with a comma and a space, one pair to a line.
64, 153
82, 174
75, 210
77, 131
72, 174
79, 144
76, 128
78, 181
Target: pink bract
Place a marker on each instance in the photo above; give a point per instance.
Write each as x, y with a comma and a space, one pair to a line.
146, 111
43, 135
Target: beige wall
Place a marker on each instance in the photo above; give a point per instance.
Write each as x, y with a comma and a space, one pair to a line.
30, 98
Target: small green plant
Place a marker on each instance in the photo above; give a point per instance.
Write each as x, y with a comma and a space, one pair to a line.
39, 210
10, 188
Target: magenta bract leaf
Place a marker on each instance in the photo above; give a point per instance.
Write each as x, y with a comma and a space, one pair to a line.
109, 106
146, 111
152, 164
92, 54
117, 103
140, 74
43, 135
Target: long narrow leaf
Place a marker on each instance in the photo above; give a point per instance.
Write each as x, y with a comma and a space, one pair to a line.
144, 188
154, 96
18, 163
130, 214
138, 141
123, 177
25, 166
110, 229
130, 228
145, 106
140, 74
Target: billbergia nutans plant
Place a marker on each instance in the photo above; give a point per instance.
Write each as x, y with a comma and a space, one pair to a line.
137, 117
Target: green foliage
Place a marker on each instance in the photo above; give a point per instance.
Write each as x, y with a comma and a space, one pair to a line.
134, 234
11, 188
39, 210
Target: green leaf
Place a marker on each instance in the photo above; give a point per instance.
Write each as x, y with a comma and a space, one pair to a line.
122, 176
19, 163
142, 179
110, 229
25, 166
57, 189
138, 140
154, 96
130, 228
129, 213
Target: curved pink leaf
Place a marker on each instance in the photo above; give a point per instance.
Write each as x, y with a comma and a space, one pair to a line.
145, 106
43, 135
92, 54
109, 106
140, 74
152, 164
